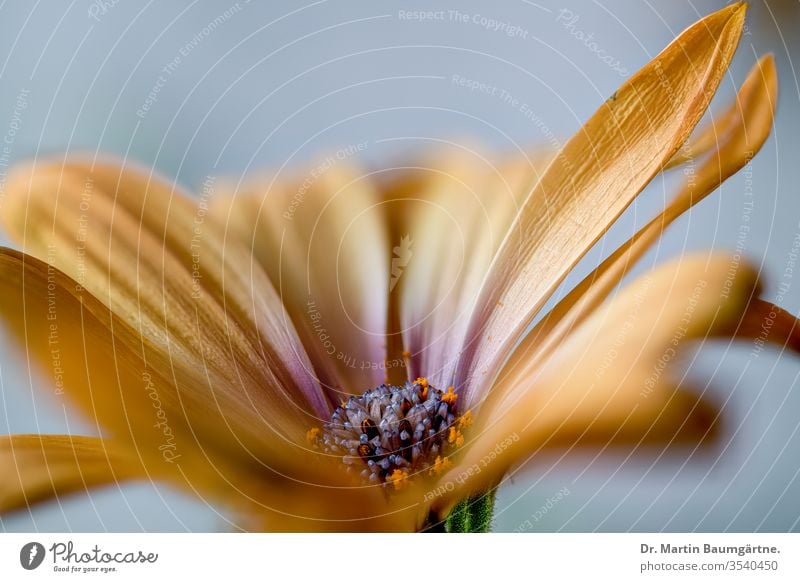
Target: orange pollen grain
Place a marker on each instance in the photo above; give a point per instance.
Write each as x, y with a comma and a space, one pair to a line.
450, 396
454, 437
440, 465
398, 478
466, 420
424, 383
451, 436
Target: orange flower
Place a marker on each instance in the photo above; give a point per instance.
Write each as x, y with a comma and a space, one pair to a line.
232, 346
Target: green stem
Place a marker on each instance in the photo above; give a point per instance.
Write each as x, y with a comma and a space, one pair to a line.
473, 515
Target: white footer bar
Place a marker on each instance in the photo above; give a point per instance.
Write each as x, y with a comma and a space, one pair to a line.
387, 557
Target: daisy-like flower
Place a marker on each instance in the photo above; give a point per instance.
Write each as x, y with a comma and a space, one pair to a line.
356, 351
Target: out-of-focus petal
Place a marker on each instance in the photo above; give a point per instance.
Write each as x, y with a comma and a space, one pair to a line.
455, 219
590, 182
766, 323
173, 426
612, 376
36, 467
323, 241
178, 424
146, 252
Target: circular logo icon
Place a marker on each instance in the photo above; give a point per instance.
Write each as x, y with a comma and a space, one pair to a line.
31, 555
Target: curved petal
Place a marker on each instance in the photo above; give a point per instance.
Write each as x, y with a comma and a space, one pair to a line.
612, 375
706, 137
748, 126
324, 244
39, 467
145, 251
168, 419
592, 180
766, 323
169, 424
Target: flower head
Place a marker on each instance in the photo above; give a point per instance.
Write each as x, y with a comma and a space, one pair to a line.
330, 354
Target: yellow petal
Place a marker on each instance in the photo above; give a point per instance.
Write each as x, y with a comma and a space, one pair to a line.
749, 125
322, 240
146, 252
591, 181
612, 376
39, 467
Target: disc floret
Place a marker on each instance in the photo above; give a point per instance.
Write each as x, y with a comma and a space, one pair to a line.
390, 434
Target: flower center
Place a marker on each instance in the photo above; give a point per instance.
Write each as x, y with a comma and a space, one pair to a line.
392, 433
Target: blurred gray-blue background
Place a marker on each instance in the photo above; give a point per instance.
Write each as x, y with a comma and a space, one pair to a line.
214, 87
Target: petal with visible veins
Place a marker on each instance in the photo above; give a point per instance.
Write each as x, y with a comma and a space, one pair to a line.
749, 124
142, 248
590, 182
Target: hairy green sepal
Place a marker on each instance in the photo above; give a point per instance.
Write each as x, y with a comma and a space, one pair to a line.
472, 515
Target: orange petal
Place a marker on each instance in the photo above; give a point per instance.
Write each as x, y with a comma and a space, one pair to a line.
171, 425
147, 253
39, 467
592, 180
178, 424
611, 377
766, 323
749, 126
